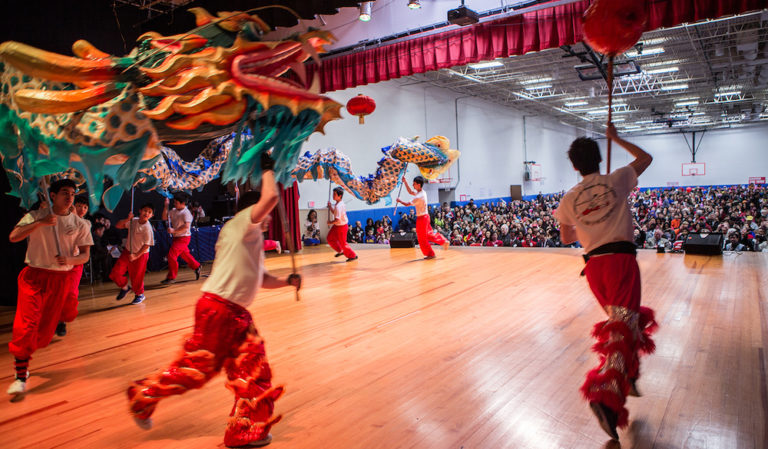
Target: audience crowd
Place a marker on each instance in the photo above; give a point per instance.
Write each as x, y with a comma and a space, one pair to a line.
663, 218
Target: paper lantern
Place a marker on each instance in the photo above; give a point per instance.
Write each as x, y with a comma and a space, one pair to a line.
612, 27
361, 105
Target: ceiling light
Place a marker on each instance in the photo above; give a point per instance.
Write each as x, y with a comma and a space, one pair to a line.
662, 70
414, 4
686, 103
645, 52
642, 122
725, 94
536, 80
576, 103
665, 62
674, 87
485, 65
365, 11
540, 86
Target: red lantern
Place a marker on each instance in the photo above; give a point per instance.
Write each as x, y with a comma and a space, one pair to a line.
612, 27
361, 105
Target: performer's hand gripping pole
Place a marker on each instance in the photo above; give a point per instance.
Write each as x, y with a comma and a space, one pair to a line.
287, 234
394, 214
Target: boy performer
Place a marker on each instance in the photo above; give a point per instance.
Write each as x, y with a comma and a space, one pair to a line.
181, 230
133, 259
337, 235
69, 311
596, 213
48, 273
224, 334
424, 231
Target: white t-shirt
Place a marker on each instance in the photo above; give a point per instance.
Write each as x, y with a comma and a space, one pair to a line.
239, 264
340, 214
141, 234
599, 209
420, 203
178, 218
72, 232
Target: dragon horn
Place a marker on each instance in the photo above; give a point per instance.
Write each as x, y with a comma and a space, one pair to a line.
55, 67
202, 16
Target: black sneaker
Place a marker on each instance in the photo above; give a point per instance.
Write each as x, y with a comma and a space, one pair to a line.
168, 281
197, 272
633, 391
338, 254
351, 259
61, 329
123, 291
606, 417
138, 299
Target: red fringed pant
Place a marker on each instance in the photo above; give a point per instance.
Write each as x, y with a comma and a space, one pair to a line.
69, 311
615, 282
426, 234
224, 336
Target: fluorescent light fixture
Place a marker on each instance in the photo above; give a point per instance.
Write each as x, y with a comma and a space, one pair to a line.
646, 52
725, 94
365, 11
662, 70
414, 4
686, 103
576, 103
540, 86
631, 127
469, 77
536, 80
598, 112
617, 120
654, 41
660, 63
642, 122
485, 65
674, 87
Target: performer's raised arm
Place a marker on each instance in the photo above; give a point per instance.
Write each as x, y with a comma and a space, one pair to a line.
642, 159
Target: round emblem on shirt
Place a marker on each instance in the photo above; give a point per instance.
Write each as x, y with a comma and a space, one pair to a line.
595, 204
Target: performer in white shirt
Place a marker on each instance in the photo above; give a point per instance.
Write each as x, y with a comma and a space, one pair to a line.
424, 231
596, 212
337, 220
181, 230
59, 240
224, 334
133, 259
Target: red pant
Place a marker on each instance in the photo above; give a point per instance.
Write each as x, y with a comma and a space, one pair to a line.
135, 270
180, 247
623, 337
337, 239
426, 234
42, 294
69, 311
224, 336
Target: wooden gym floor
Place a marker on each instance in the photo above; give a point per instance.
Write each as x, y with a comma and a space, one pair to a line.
483, 348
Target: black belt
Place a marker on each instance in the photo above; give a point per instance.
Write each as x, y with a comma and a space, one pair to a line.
611, 248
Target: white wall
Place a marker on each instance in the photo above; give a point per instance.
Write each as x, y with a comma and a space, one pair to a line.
490, 138
731, 157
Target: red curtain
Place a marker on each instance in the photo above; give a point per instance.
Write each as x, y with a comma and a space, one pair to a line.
291, 201
538, 30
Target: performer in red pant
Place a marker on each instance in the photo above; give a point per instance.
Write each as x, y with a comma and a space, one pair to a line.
224, 334
48, 274
337, 235
181, 230
596, 212
424, 231
69, 310
133, 259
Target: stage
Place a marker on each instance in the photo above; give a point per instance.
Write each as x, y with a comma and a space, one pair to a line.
482, 348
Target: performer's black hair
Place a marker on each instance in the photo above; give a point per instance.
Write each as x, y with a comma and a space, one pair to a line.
248, 199
148, 206
419, 180
585, 155
180, 197
60, 184
81, 199
339, 191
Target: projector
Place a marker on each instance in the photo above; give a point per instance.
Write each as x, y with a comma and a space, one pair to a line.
462, 16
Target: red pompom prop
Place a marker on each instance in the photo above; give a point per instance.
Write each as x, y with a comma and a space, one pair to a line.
612, 27
361, 105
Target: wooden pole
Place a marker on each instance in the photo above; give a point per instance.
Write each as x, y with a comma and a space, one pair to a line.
50, 208
610, 111
287, 234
